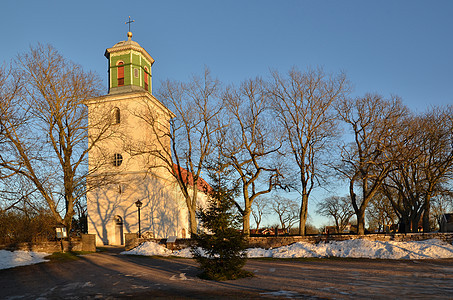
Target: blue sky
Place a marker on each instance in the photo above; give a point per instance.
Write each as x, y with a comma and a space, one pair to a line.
390, 47
402, 48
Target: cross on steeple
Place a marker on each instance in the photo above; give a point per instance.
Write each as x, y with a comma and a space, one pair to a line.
129, 22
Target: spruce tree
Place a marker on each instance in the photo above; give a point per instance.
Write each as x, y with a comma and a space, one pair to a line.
220, 245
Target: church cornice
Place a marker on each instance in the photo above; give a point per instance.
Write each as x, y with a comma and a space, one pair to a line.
130, 96
127, 46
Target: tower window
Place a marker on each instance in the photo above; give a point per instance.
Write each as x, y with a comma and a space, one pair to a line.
120, 73
146, 78
136, 73
116, 116
117, 159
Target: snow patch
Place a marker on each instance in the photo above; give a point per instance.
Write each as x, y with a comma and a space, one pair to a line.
182, 276
183, 253
149, 249
356, 248
10, 259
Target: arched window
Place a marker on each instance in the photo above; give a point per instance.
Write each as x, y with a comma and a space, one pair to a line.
118, 220
120, 73
146, 78
117, 159
116, 116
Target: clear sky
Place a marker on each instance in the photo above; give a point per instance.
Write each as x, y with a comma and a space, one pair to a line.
395, 47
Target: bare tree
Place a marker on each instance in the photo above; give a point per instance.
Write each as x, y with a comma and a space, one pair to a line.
303, 103
403, 184
426, 165
11, 88
438, 155
338, 208
44, 127
381, 213
184, 134
259, 210
286, 210
249, 144
365, 162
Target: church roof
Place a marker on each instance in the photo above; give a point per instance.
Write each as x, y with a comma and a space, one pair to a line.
187, 176
128, 45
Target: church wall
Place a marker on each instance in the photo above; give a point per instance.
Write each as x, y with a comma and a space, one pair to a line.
163, 213
131, 135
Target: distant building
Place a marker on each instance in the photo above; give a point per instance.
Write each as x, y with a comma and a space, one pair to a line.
119, 178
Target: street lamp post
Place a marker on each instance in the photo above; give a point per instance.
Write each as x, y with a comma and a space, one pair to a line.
138, 203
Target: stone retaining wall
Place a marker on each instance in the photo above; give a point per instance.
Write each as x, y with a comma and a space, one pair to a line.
85, 243
278, 241
133, 241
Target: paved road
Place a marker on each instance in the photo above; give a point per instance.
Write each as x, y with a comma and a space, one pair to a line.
108, 275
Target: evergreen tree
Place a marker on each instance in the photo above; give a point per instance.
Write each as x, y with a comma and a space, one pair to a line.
220, 247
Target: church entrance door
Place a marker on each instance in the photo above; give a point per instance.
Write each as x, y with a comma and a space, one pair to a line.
118, 230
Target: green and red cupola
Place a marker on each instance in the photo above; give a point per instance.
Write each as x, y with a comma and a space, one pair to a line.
129, 67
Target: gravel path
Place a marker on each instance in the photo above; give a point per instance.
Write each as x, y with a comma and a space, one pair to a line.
108, 275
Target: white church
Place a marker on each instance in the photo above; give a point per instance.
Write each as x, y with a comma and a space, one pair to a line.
120, 174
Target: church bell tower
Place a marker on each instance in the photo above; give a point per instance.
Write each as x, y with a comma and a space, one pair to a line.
122, 170
129, 67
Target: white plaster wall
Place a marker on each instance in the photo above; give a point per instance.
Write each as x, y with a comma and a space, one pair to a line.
162, 214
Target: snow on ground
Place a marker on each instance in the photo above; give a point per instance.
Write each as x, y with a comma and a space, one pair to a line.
360, 248
149, 248
357, 248
10, 259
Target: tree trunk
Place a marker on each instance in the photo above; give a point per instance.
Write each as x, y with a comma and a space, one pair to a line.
403, 224
303, 214
246, 222
192, 208
192, 222
426, 211
337, 226
360, 222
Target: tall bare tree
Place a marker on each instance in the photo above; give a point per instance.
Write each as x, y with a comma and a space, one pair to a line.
44, 127
438, 155
249, 144
366, 162
11, 88
403, 186
423, 169
185, 134
303, 103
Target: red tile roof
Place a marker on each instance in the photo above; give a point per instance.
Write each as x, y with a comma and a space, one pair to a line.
187, 177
